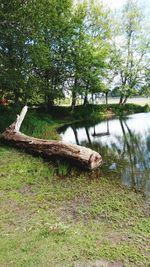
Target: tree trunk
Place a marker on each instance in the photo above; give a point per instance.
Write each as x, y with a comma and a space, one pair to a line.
86, 95
121, 100
85, 100
125, 100
50, 101
73, 100
83, 156
106, 96
74, 95
92, 99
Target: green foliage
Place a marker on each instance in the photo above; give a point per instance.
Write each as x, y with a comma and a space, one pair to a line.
60, 44
130, 51
14, 56
69, 49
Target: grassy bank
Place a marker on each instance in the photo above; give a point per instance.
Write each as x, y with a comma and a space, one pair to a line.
43, 124
96, 111
53, 215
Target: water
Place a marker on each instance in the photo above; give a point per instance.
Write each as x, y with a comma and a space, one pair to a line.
123, 143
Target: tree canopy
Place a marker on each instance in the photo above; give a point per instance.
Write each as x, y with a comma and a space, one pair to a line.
52, 48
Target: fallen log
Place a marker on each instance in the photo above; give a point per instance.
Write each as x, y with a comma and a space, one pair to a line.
83, 156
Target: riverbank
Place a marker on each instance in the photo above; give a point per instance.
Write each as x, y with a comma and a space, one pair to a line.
54, 215
44, 124
91, 111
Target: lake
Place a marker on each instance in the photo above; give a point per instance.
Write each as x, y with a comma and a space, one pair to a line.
124, 144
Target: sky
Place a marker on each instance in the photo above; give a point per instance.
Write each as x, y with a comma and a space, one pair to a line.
116, 4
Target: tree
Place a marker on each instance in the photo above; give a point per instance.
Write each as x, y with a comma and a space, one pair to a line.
34, 43
130, 51
98, 35
89, 50
145, 90
50, 44
13, 50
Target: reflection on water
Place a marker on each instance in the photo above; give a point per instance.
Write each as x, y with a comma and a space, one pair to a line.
123, 143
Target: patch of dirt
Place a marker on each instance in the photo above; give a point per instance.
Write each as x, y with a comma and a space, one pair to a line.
17, 216
70, 210
97, 263
147, 207
26, 190
80, 208
116, 238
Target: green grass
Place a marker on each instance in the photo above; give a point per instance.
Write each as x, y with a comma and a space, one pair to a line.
52, 220
142, 101
36, 123
96, 111
53, 215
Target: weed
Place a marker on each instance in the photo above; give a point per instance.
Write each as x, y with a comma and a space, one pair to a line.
62, 169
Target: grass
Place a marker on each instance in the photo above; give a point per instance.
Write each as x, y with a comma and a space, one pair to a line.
52, 220
96, 111
111, 100
54, 215
36, 123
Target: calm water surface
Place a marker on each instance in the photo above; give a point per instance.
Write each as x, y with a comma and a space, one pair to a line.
123, 143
